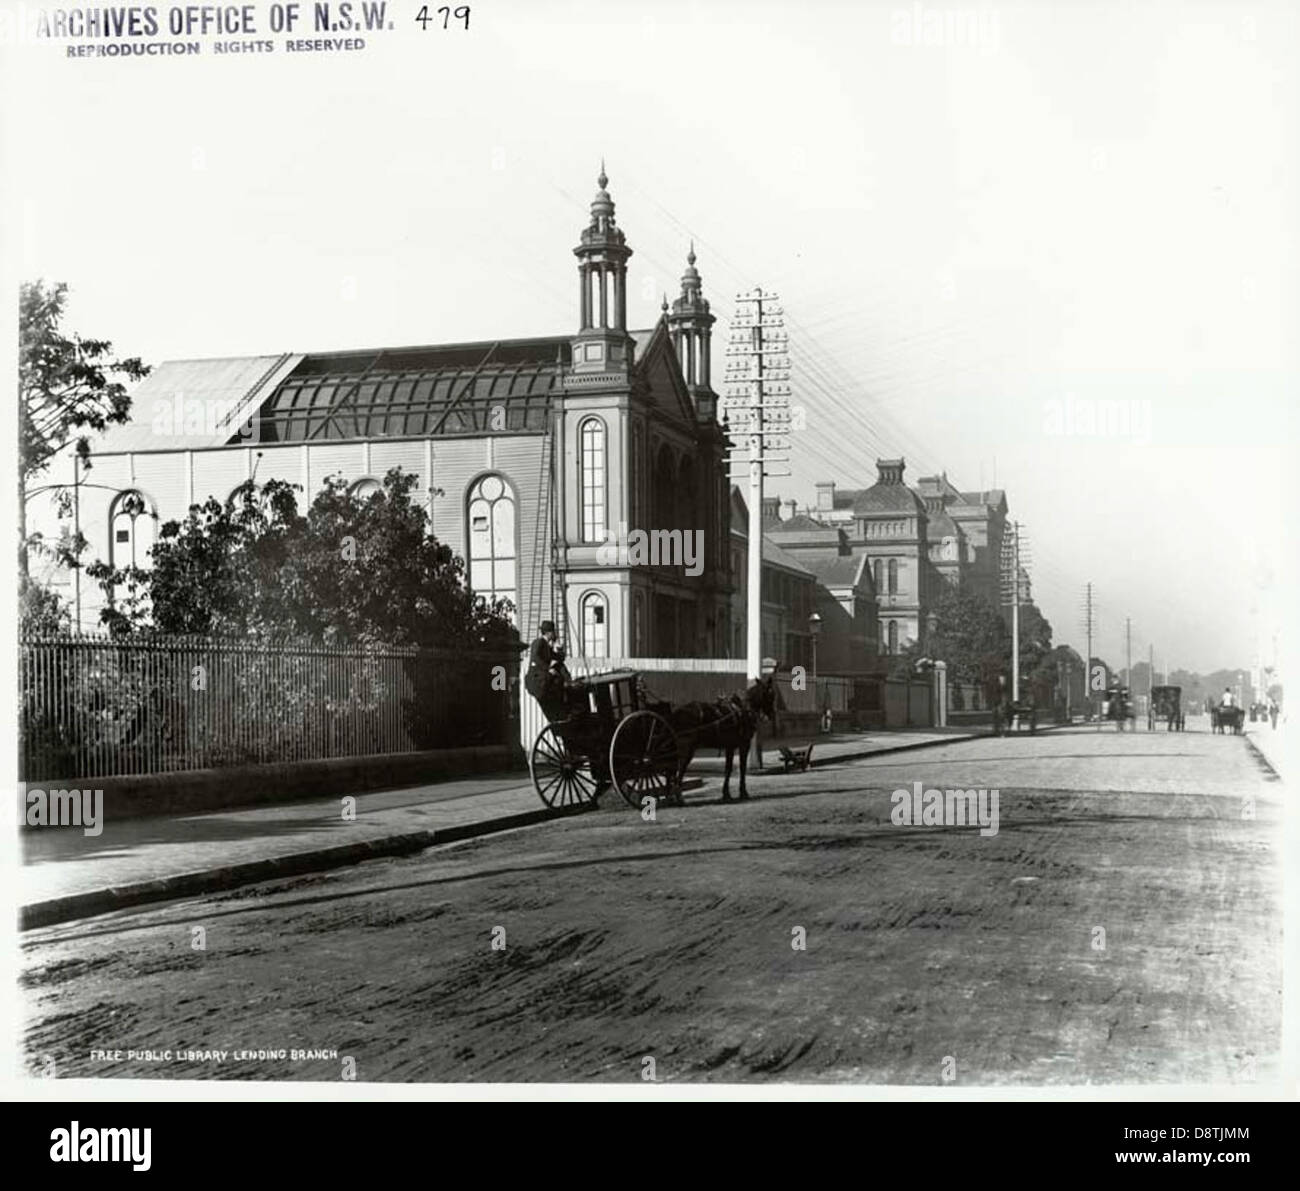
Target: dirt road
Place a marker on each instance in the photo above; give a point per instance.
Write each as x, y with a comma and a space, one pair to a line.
1123, 926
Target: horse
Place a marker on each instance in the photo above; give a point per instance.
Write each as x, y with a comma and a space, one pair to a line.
728, 723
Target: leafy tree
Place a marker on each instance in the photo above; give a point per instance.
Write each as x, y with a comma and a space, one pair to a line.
351, 570
969, 635
65, 385
41, 611
1038, 662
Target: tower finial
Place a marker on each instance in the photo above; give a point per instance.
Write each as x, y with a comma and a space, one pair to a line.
690, 256
602, 181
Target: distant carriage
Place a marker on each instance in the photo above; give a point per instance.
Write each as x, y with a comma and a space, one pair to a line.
1119, 707
1227, 719
1166, 704
1007, 713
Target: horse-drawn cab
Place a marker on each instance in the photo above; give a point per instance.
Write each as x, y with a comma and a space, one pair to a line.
603, 733
1166, 704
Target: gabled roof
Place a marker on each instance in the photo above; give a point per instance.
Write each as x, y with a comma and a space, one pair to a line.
195, 403
415, 391
772, 553
801, 522
654, 348
938, 485
990, 496
846, 570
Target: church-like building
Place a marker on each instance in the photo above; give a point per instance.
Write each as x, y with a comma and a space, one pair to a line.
530, 455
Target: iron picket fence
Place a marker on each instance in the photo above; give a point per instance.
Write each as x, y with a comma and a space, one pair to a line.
98, 706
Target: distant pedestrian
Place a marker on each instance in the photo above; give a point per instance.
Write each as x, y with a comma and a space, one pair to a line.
1272, 712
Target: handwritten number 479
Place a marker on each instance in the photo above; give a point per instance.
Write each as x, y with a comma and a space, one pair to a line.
461, 14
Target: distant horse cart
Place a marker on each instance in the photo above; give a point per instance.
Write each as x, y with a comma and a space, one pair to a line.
1166, 704
1008, 714
1227, 719
604, 731
1119, 707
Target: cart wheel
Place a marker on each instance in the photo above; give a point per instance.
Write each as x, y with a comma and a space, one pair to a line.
643, 758
560, 776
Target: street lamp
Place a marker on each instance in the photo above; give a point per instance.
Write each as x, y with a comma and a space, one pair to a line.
814, 630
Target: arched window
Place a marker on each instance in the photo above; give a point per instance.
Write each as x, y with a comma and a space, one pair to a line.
591, 439
893, 578
493, 553
893, 636
132, 524
595, 626
365, 489
877, 574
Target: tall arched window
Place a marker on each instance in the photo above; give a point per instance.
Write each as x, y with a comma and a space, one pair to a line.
493, 553
893, 577
893, 636
131, 529
877, 574
591, 438
595, 626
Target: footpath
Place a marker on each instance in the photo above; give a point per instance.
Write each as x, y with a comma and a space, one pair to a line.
67, 874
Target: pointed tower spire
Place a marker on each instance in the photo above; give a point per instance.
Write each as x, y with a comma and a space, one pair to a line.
690, 324
603, 343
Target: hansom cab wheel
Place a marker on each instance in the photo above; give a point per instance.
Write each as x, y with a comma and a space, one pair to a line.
561, 776
643, 758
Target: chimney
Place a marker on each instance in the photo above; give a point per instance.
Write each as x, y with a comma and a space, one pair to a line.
771, 508
787, 509
826, 497
890, 471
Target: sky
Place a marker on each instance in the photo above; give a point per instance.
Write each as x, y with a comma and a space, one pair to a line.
983, 221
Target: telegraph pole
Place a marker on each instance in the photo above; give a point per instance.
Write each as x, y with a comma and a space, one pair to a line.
758, 383
1087, 662
1015, 589
1015, 612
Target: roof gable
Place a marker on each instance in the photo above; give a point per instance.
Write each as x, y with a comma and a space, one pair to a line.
661, 370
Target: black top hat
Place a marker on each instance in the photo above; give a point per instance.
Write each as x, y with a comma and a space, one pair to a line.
547, 626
